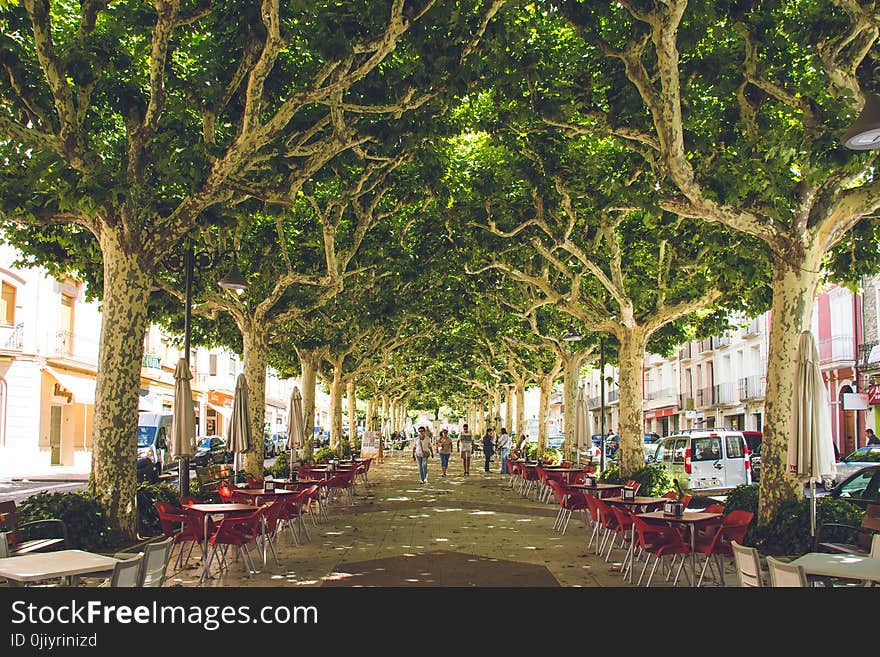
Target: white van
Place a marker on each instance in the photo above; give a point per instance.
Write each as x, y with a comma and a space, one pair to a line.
153, 449
711, 460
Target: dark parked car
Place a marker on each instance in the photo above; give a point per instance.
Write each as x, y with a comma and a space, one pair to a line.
212, 450
855, 461
861, 488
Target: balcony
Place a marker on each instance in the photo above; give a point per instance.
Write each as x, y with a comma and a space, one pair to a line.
726, 393
705, 397
663, 393
752, 387
613, 395
686, 401
11, 337
723, 341
704, 345
835, 349
756, 327
685, 353
595, 402
76, 346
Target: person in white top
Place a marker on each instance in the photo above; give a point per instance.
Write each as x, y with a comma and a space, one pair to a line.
504, 449
466, 447
422, 451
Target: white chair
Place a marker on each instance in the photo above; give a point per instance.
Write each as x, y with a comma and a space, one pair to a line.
748, 565
155, 563
127, 573
786, 574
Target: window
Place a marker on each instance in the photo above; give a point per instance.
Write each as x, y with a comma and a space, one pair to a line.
212, 365
2, 411
706, 449
680, 447
857, 486
7, 304
734, 447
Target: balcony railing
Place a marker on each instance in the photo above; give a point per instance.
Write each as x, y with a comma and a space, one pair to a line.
663, 393
705, 345
755, 327
613, 395
686, 401
837, 348
12, 337
685, 352
723, 341
705, 397
595, 402
752, 387
726, 393
76, 345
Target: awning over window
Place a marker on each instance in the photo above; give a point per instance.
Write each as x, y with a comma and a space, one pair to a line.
81, 386
224, 411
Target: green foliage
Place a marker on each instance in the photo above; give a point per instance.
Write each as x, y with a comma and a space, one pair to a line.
87, 525
147, 495
324, 454
789, 531
551, 456
280, 468
654, 478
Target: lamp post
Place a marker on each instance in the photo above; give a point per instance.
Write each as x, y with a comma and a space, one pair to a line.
571, 336
602, 403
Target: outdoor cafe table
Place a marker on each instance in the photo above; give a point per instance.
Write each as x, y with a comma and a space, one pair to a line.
599, 490
844, 566
638, 503
217, 509
257, 493
688, 519
64, 564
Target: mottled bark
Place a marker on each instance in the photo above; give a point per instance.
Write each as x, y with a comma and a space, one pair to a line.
521, 408
569, 390
496, 409
308, 364
794, 286
546, 384
256, 357
352, 411
123, 326
336, 391
508, 409
631, 455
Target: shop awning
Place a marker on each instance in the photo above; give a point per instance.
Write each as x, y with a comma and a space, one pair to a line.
81, 386
224, 411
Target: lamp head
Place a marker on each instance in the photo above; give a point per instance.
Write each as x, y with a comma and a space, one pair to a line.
864, 134
234, 280
571, 335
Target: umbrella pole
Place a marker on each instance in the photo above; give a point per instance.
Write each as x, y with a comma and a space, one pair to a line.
812, 508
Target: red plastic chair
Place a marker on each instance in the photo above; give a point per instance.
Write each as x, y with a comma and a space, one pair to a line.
685, 500
624, 531
733, 527
530, 480
660, 541
196, 525
233, 532
253, 483
545, 477
670, 495
174, 526
569, 501
714, 508
632, 483
226, 494
593, 510
607, 521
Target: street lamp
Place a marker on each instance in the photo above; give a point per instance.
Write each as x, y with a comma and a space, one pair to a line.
602, 403
571, 335
234, 280
864, 134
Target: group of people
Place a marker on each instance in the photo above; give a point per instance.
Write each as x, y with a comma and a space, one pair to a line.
424, 444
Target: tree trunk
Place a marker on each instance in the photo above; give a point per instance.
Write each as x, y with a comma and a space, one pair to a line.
508, 409
521, 409
569, 402
123, 326
309, 368
256, 358
496, 409
631, 455
544, 411
794, 287
352, 412
336, 391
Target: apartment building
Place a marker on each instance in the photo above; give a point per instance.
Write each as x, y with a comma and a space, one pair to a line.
49, 337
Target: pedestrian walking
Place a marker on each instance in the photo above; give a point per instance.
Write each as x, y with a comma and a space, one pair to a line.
504, 450
444, 451
871, 438
422, 451
488, 446
466, 447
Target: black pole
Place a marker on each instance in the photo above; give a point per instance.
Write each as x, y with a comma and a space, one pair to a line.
602, 403
183, 466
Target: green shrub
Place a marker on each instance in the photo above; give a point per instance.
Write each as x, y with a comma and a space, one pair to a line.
280, 469
324, 454
551, 456
87, 524
611, 473
147, 495
654, 478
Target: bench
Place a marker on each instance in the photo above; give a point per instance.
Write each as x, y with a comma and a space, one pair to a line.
211, 477
864, 534
14, 537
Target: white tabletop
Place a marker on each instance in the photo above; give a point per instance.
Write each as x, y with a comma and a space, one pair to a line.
847, 566
46, 565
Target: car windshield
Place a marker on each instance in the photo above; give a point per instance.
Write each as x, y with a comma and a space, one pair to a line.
146, 436
205, 444
864, 455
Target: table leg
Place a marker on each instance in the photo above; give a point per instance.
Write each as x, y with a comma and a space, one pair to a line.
205, 548
632, 552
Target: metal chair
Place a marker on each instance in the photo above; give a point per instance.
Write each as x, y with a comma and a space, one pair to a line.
786, 574
126, 572
748, 565
155, 563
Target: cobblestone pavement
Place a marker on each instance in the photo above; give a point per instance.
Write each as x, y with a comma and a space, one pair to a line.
452, 531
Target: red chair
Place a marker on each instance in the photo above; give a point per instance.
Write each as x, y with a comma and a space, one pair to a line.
198, 524
685, 500
585, 472
624, 531
569, 501
632, 483
226, 494
545, 476
312, 497
174, 526
593, 510
670, 495
660, 541
733, 527
189, 499
714, 508
343, 481
530, 480
253, 483
233, 532
607, 521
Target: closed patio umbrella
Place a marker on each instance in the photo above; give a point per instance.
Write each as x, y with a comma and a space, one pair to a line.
239, 437
295, 433
810, 450
183, 422
581, 424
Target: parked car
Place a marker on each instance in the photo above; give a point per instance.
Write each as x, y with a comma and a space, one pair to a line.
652, 437
212, 450
650, 451
556, 441
754, 439
855, 461
280, 442
268, 446
861, 487
712, 460
591, 454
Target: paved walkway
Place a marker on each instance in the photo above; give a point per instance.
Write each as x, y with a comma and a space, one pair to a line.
452, 531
